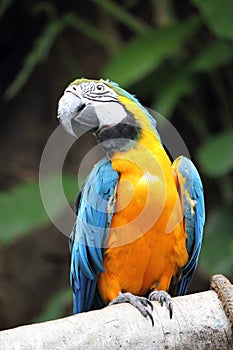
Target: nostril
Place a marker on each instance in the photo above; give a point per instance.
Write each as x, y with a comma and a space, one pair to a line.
73, 89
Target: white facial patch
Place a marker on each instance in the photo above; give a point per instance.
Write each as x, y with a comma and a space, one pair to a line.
109, 113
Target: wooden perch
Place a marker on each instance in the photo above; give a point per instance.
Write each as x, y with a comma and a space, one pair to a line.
200, 321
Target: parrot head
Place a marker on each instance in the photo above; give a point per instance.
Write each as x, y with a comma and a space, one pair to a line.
104, 109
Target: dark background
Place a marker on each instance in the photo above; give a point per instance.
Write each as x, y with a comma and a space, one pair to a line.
176, 56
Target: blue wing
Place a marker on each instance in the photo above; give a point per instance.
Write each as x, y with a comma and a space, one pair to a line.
191, 193
94, 205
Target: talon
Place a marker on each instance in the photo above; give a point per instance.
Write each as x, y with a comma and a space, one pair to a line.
145, 302
139, 303
150, 304
161, 300
151, 317
162, 296
170, 308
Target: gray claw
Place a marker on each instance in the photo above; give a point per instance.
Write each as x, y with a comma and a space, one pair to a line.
151, 317
162, 297
139, 303
144, 301
170, 308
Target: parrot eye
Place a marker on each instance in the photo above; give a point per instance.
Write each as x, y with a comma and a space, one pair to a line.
100, 87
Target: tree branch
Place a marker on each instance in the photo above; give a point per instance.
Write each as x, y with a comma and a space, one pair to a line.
199, 322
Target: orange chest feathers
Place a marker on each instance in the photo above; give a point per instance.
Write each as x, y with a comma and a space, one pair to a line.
147, 241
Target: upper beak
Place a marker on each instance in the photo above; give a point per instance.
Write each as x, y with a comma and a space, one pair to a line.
73, 113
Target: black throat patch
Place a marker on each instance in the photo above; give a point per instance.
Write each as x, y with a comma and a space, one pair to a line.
119, 137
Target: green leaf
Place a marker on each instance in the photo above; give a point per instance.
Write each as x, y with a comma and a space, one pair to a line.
4, 6
55, 306
216, 54
101, 37
145, 53
21, 208
218, 16
216, 155
176, 86
38, 53
122, 15
70, 186
217, 250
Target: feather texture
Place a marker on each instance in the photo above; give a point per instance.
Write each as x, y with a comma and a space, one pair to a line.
136, 177
95, 207
191, 194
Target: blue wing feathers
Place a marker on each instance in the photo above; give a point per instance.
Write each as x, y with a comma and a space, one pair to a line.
191, 192
90, 233
83, 262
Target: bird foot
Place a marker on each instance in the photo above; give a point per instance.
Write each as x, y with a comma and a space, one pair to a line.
162, 297
139, 303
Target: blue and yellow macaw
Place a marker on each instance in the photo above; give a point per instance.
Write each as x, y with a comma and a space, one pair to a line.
140, 217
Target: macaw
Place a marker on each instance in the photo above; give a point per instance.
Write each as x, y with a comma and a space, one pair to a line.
140, 218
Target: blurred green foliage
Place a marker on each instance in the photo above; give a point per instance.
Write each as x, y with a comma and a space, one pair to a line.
55, 306
217, 252
216, 155
24, 200
154, 46
170, 63
218, 16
